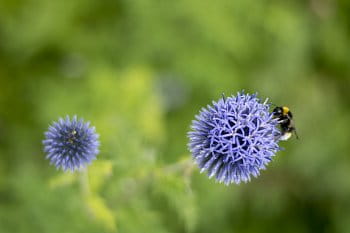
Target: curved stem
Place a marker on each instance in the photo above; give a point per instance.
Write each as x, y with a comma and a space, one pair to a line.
84, 182
181, 165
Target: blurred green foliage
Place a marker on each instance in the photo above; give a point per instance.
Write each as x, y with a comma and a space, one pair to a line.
139, 71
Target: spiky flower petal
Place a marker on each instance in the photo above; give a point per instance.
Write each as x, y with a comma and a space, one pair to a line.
71, 143
234, 138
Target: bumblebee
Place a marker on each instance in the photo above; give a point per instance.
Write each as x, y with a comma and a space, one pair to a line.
285, 121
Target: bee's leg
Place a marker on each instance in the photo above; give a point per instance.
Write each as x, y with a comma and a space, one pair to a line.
293, 130
296, 134
283, 121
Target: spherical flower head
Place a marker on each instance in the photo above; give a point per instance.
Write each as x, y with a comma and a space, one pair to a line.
234, 138
71, 143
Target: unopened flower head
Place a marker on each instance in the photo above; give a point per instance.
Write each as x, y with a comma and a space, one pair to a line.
234, 138
71, 143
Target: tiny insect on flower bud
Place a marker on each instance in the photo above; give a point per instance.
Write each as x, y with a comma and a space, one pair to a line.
71, 144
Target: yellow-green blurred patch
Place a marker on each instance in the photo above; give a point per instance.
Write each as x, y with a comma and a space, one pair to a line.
99, 210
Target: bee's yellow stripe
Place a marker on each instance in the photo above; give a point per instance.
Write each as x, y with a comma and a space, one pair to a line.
285, 110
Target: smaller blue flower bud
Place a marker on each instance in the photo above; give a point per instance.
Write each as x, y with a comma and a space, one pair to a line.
71, 144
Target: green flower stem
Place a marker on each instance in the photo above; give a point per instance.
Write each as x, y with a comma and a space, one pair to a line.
184, 165
84, 182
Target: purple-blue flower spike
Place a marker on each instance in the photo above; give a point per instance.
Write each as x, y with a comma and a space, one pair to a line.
234, 138
71, 144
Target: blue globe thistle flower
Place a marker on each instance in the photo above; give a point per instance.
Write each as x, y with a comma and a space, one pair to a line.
71, 144
234, 138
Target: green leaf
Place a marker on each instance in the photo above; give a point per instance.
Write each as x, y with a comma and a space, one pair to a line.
101, 212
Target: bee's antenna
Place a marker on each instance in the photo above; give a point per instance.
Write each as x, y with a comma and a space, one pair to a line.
296, 134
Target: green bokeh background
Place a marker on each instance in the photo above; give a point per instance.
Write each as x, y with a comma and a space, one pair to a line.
140, 70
